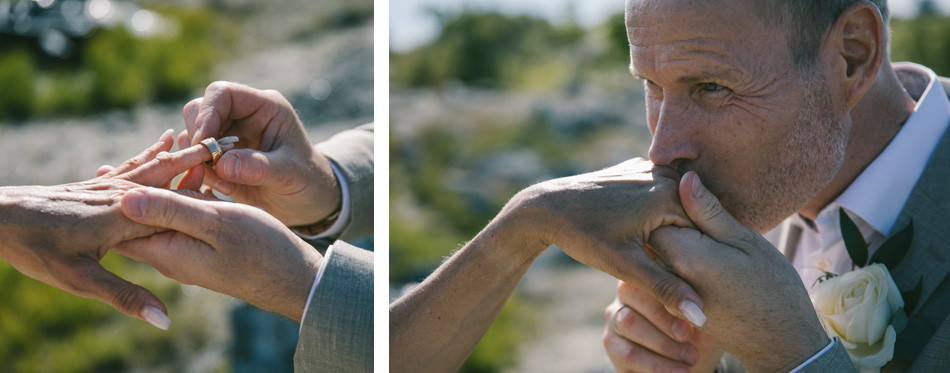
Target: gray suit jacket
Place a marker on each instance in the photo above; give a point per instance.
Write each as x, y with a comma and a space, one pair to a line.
924, 346
337, 331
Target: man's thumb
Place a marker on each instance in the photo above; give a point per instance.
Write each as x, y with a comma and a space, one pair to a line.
705, 210
165, 209
248, 167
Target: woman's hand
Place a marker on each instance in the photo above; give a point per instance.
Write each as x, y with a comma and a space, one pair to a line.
58, 234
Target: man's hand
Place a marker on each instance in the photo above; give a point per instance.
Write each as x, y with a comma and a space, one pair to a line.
274, 167
58, 234
604, 219
226, 247
641, 336
758, 308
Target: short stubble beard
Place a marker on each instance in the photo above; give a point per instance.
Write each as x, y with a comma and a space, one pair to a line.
801, 167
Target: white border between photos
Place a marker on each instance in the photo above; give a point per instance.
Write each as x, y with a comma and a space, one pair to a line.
381, 185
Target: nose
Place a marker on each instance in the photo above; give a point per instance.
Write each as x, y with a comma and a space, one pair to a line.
675, 139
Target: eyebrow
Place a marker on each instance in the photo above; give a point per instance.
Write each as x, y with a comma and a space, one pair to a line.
701, 77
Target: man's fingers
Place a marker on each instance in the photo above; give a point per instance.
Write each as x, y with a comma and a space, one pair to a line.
709, 216
644, 304
224, 102
170, 210
190, 112
170, 252
95, 282
165, 166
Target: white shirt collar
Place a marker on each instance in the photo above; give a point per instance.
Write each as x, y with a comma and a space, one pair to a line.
878, 195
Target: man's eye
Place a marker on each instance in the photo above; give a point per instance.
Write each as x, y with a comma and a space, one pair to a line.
711, 87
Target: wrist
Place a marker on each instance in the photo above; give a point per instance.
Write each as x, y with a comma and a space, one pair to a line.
525, 224
299, 292
326, 190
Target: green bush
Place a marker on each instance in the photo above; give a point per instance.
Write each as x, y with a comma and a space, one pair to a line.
16, 79
115, 69
924, 40
485, 49
46, 329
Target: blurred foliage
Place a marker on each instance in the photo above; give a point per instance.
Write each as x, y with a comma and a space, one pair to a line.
924, 40
504, 336
113, 68
16, 77
45, 329
438, 189
488, 50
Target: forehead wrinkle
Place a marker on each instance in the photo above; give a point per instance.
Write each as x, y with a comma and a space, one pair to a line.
697, 63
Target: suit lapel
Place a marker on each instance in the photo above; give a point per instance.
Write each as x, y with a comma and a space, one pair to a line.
929, 207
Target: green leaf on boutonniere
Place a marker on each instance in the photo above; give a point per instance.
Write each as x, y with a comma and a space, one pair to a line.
911, 297
899, 320
892, 251
821, 279
853, 240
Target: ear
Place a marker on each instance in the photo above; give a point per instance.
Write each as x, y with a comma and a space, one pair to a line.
856, 44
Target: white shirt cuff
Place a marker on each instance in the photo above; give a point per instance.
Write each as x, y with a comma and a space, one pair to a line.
316, 280
340, 224
813, 358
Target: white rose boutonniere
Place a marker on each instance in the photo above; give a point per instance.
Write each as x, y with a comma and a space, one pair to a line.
864, 308
858, 307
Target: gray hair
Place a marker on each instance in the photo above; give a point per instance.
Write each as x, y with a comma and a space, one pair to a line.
808, 21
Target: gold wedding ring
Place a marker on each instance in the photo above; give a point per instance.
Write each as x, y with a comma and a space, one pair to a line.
215, 150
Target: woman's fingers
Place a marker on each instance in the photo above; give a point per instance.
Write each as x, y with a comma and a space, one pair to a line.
88, 279
164, 144
644, 303
165, 166
104, 169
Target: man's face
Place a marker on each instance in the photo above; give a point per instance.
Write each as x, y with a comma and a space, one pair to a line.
723, 99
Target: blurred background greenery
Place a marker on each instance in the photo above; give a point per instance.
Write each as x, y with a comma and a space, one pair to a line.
90, 82
495, 99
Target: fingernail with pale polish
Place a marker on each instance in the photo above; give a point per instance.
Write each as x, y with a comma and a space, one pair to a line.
156, 317
697, 187
165, 134
227, 143
692, 312
135, 203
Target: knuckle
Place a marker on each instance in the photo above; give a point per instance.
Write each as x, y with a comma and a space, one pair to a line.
666, 290
125, 299
660, 315
165, 159
217, 86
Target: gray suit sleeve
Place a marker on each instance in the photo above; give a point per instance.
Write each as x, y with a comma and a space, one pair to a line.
352, 151
337, 331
